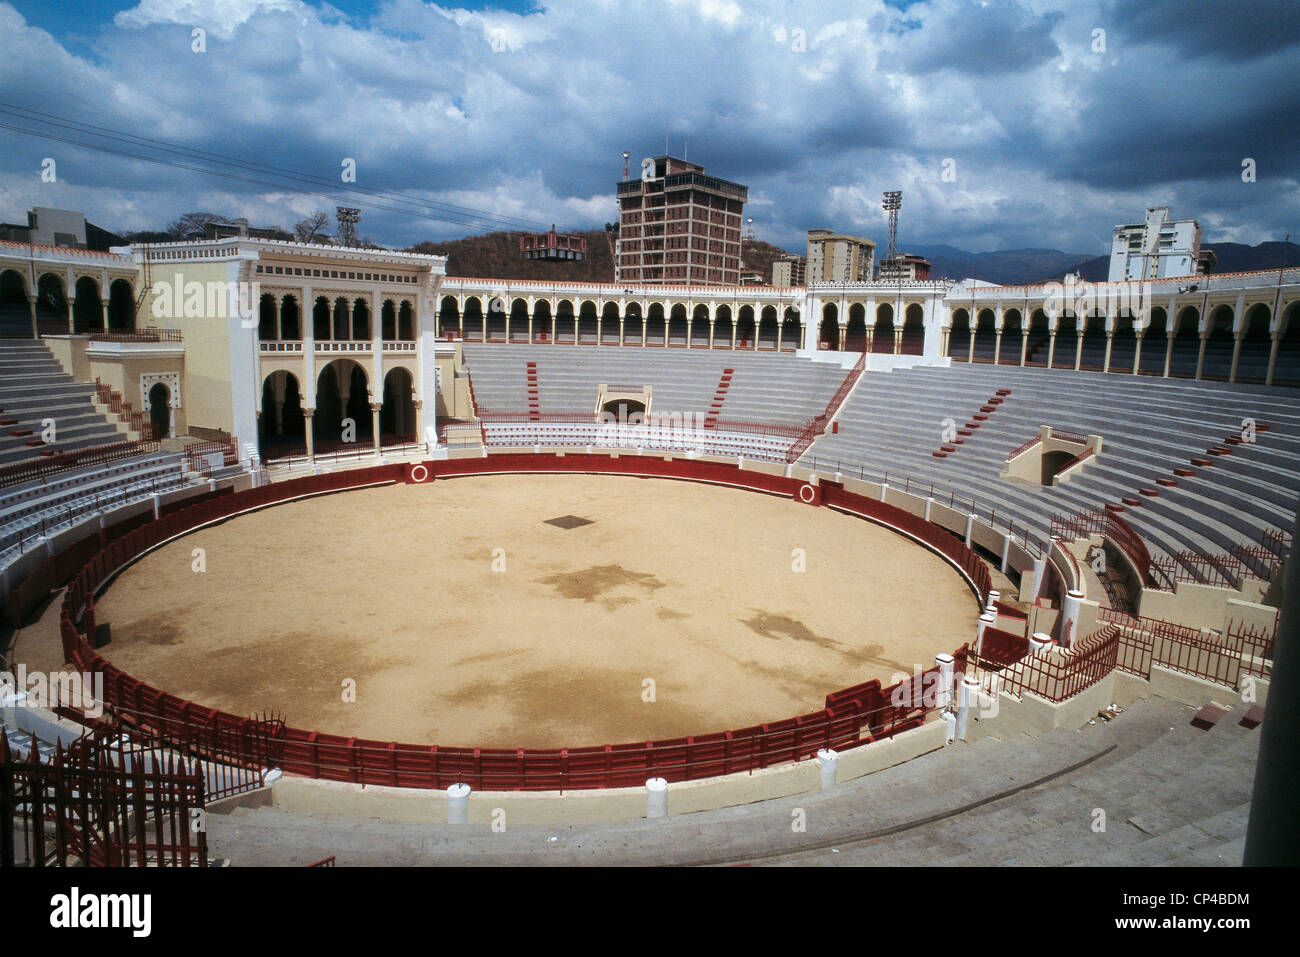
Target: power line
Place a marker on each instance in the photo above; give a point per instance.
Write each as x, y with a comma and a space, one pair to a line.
423, 209
227, 160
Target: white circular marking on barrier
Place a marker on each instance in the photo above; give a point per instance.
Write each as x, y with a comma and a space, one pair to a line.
416, 475
807, 499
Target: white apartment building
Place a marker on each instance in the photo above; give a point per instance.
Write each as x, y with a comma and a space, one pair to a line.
1157, 248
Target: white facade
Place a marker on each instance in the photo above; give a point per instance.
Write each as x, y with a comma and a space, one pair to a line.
1157, 248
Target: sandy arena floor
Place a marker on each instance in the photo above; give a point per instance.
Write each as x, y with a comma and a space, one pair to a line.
689, 585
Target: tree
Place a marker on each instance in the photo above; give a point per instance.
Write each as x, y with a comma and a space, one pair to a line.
193, 225
312, 229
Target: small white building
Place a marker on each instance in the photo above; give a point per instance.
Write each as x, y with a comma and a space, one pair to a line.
1158, 248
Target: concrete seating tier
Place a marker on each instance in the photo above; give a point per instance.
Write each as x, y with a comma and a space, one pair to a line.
764, 388
34, 388
27, 510
1149, 426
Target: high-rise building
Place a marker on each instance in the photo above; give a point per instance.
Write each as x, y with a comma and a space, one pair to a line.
679, 226
1157, 248
790, 270
833, 257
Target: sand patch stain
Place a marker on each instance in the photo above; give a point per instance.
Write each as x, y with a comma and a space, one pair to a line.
670, 614
783, 626
151, 631
593, 584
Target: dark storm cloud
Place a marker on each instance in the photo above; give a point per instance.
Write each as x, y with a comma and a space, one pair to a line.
815, 106
1207, 28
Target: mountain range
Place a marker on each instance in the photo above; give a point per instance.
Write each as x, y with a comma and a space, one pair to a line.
496, 256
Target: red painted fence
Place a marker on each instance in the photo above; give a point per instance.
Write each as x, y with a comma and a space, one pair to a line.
850, 717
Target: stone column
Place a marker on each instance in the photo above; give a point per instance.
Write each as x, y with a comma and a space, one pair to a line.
734, 324
970, 354
72, 323
1051, 346
1137, 352
374, 420
1169, 350
622, 331
712, 330
307, 413
279, 320
1078, 343
103, 308
1272, 356
1110, 339
1024, 341
997, 345
946, 334
898, 340
1236, 352
419, 421
1200, 355
843, 334
780, 332
36, 327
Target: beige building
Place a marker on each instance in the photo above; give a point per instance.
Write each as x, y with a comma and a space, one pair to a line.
790, 271
833, 257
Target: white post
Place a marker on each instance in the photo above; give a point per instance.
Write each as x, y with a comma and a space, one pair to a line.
656, 797
986, 619
1040, 572
945, 663
1006, 550
970, 689
829, 762
992, 603
970, 520
156, 505
950, 723
1038, 642
458, 804
884, 487
928, 503
1070, 617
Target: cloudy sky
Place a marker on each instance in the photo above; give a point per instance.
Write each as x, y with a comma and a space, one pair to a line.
1024, 123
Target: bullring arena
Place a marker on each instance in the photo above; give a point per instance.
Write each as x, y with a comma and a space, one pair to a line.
917, 585
548, 643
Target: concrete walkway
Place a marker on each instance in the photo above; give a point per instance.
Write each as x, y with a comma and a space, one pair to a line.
1171, 794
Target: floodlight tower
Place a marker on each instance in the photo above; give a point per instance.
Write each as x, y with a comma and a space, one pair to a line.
893, 202
348, 218
626, 157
